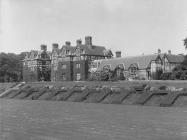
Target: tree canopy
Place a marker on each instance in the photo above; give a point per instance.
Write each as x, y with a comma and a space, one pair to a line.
185, 42
11, 67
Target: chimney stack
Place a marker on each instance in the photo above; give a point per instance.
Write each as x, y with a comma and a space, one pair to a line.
43, 47
79, 42
68, 43
159, 51
54, 46
88, 40
169, 51
118, 54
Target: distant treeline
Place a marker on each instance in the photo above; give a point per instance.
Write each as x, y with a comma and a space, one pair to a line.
11, 67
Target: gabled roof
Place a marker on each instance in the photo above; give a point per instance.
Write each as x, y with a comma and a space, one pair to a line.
70, 48
62, 51
33, 54
174, 58
89, 50
58, 51
142, 61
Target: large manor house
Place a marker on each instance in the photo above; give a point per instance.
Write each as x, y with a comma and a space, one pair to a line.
75, 63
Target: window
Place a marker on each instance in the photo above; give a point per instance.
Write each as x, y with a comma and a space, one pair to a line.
32, 68
78, 77
63, 66
67, 51
54, 64
78, 65
118, 72
63, 77
55, 67
29, 63
82, 58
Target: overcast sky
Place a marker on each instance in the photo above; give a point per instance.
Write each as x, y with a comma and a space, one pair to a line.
132, 26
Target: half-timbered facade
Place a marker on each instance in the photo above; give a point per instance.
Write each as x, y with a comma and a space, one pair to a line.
73, 62
141, 67
37, 65
170, 61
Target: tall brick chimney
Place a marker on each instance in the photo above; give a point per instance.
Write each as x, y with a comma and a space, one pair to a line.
88, 40
68, 43
118, 54
43, 47
55, 46
169, 51
159, 51
79, 42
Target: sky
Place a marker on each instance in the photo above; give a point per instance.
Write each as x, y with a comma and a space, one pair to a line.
134, 27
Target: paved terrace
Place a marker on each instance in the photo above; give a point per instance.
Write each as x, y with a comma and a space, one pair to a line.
46, 120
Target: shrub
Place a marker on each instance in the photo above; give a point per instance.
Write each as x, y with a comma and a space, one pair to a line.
94, 76
183, 75
179, 72
101, 75
166, 76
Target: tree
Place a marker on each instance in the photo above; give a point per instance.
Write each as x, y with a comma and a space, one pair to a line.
101, 75
11, 67
185, 42
179, 72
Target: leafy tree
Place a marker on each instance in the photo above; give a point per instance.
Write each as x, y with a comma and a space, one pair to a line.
106, 74
185, 61
101, 75
11, 67
185, 42
179, 72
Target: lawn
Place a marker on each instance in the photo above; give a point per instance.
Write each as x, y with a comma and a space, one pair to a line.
47, 120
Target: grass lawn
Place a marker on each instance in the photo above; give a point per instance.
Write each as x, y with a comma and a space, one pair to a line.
47, 120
